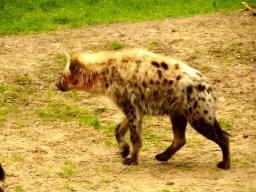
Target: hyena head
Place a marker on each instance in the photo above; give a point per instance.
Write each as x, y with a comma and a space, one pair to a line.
78, 75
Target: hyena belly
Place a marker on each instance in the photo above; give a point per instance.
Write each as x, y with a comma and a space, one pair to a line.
140, 83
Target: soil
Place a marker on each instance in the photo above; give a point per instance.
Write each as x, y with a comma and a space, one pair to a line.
35, 153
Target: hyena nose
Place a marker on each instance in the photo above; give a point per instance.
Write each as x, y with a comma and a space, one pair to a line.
61, 88
58, 85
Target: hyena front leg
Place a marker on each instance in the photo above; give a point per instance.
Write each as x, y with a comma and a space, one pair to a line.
136, 139
179, 124
121, 130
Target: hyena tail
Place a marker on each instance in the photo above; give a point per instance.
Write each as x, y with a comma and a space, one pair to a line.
1, 173
218, 127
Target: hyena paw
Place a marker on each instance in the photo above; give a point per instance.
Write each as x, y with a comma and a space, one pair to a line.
223, 165
130, 161
162, 157
125, 150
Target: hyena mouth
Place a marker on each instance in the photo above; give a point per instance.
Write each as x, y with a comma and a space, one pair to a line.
60, 86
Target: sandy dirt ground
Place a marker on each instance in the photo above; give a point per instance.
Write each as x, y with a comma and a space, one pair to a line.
60, 155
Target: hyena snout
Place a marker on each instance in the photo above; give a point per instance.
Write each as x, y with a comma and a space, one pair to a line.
60, 85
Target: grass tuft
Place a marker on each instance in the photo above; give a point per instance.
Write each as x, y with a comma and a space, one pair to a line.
68, 170
225, 125
116, 45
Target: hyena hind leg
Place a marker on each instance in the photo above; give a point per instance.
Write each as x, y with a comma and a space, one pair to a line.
120, 131
179, 124
214, 132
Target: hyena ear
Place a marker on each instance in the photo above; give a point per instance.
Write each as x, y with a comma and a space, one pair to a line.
67, 57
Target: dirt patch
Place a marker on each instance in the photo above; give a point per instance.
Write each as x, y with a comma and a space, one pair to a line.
60, 155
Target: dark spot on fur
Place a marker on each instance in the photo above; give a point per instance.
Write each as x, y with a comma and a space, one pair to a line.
164, 65
118, 96
151, 81
125, 61
155, 93
144, 84
189, 89
159, 74
209, 90
106, 85
203, 99
200, 87
131, 121
190, 110
107, 71
165, 81
177, 66
155, 64
186, 112
205, 111
171, 100
170, 82
138, 62
170, 91
142, 96
210, 118
113, 71
94, 75
135, 84
157, 82
197, 113
111, 61
199, 74
195, 105
201, 120
178, 77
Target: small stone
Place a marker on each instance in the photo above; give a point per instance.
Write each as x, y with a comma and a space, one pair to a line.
245, 136
170, 183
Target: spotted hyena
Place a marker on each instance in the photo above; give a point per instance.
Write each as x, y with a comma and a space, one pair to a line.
140, 83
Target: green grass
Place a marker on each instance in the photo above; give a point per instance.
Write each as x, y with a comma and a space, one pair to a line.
4, 94
184, 167
17, 158
29, 16
102, 169
110, 142
68, 170
67, 186
19, 189
225, 125
58, 109
116, 45
105, 180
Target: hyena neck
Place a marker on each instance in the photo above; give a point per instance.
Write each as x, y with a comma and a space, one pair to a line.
90, 83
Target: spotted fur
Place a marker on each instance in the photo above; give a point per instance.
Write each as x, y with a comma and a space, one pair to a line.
140, 83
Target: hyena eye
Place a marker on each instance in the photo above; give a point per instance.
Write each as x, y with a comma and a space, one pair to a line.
73, 67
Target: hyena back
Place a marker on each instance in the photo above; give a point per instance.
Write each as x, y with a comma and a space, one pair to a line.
140, 83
